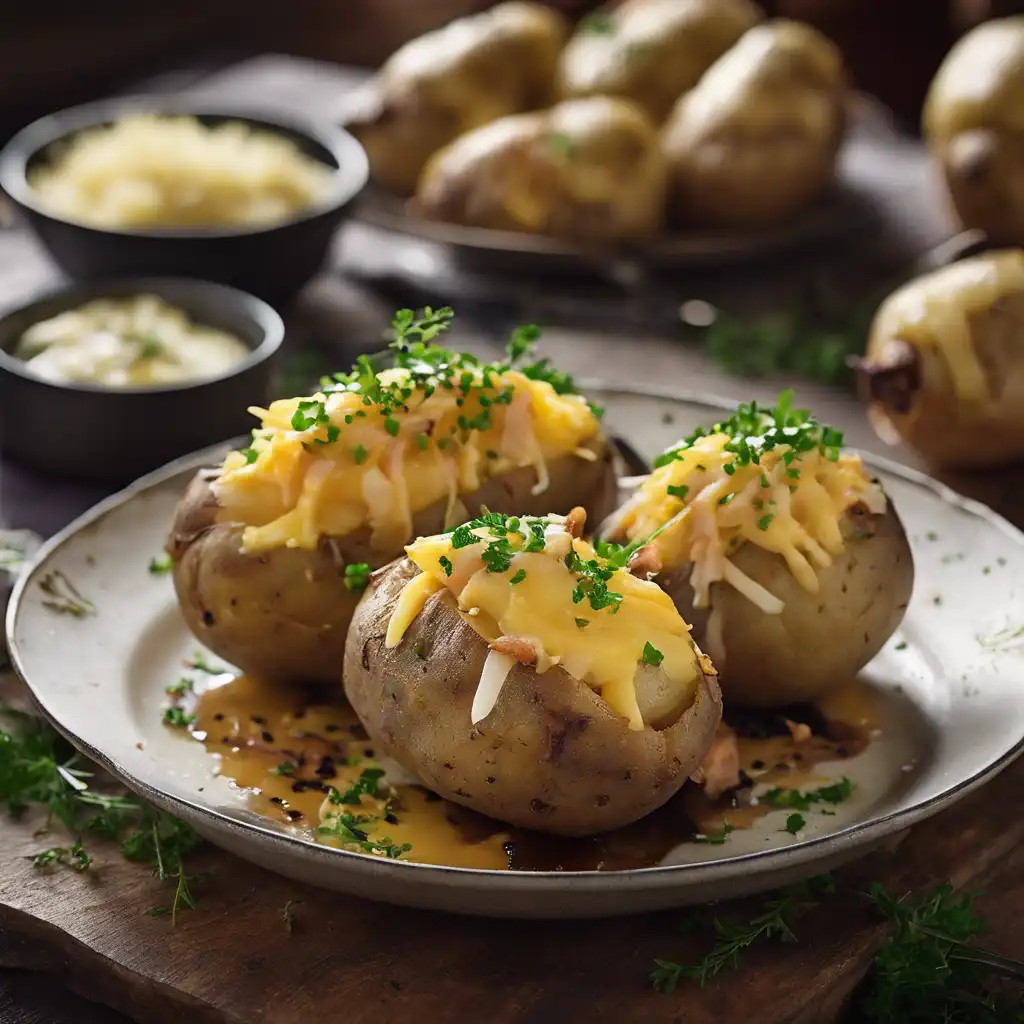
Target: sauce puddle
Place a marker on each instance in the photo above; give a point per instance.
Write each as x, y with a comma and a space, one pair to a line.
290, 748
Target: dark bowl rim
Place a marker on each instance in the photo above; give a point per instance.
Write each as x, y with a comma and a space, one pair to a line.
349, 178
255, 309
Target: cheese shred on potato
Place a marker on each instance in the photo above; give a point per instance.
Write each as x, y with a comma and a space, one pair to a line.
771, 477
543, 597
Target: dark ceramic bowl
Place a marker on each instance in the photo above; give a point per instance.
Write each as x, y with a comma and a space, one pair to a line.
106, 435
273, 262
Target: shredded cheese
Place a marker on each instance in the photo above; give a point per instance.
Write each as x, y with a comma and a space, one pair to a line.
537, 616
703, 505
359, 465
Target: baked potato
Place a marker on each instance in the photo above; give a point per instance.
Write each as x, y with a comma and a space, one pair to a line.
944, 366
651, 51
787, 558
512, 670
974, 126
271, 551
756, 141
589, 170
436, 87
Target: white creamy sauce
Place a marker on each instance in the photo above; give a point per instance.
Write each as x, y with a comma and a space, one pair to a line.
131, 342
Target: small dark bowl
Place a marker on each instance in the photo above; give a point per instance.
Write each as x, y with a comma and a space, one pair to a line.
273, 262
91, 433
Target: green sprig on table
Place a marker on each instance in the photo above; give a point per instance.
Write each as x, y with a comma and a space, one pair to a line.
38, 768
926, 970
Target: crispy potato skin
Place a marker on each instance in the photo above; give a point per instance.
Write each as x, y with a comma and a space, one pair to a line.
588, 170
755, 141
551, 755
283, 614
819, 640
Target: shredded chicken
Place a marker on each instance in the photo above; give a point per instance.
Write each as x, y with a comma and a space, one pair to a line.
516, 647
645, 562
575, 521
720, 770
800, 731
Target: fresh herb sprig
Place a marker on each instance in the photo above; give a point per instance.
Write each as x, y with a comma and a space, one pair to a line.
754, 429
40, 769
427, 367
733, 938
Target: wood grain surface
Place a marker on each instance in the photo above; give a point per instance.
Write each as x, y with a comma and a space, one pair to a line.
234, 960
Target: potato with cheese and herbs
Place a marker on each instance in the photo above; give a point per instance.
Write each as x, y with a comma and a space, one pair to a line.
452, 80
944, 366
272, 550
588, 170
512, 669
786, 556
756, 141
651, 51
974, 126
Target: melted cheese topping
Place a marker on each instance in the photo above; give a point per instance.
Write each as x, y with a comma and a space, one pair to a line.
934, 313
296, 485
702, 513
603, 648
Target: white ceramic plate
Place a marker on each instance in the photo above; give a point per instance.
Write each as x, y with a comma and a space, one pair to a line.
950, 681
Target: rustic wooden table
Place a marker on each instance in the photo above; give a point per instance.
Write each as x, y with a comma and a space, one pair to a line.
59, 928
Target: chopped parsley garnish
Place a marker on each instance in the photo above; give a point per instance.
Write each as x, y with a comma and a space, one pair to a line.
359, 454
518, 577
159, 565
651, 655
367, 784
446, 564
754, 430
582, 623
765, 521
678, 491
716, 839
178, 718
505, 536
285, 768
345, 828
833, 794
794, 823
357, 575
74, 857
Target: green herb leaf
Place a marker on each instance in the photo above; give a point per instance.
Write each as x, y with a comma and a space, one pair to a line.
160, 565
651, 655
794, 823
357, 576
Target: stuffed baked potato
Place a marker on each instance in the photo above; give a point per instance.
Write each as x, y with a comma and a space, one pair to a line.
785, 555
514, 671
651, 51
944, 367
756, 141
588, 169
974, 126
444, 83
270, 553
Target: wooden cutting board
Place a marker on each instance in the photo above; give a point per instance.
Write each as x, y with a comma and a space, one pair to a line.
235, 959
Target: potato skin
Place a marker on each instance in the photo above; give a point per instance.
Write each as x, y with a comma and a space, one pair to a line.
449, 81
973, 128
818, 641
551, 755
588, 170
911, 387
656, 50
283, 614
756, 141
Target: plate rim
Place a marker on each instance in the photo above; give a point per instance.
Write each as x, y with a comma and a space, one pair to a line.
864, 833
